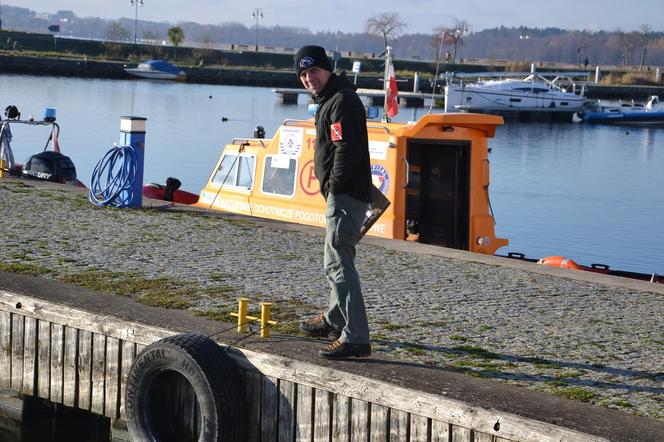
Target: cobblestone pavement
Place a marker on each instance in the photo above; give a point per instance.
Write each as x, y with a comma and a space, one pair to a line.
585, 341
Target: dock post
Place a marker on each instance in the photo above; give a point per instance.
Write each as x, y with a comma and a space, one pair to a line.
132, 133
658, 75
242, 315
597, 74
3, 166
416, 82
265, 319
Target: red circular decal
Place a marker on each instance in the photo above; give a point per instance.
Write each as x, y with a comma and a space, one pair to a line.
308, 182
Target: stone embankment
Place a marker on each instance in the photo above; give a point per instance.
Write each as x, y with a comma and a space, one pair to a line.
574, 334
241, 76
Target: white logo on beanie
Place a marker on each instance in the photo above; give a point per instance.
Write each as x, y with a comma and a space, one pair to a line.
306, 62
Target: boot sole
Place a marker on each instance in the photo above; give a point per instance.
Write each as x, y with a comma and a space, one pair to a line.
341, 358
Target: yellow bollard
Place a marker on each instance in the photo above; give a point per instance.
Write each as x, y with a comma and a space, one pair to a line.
265, 319
243, 317
3, 167
242, 325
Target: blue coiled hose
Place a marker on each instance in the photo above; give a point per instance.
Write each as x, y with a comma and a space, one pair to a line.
113, 178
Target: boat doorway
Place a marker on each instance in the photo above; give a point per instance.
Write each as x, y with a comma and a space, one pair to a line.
438, 193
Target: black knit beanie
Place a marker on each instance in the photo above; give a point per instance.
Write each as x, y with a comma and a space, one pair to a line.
309, 56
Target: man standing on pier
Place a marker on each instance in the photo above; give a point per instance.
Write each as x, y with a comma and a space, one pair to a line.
341, 165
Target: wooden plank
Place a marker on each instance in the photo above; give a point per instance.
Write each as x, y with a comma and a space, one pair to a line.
84, 370
460, 434
305, 414
359, 420
419, 428
440, 431
341, 419
81, 319
269, 409
18, 326
380, 423
98, 373
430, 405
399, 421
287, 398
30, 357
5, 349
44, 359
253, 386
57, 361
111, 396
128, 350
69, 386
483, 437
323, 402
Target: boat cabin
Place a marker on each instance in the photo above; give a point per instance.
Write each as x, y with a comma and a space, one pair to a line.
435, 173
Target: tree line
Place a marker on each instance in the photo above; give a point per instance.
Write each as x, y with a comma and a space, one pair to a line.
451, 42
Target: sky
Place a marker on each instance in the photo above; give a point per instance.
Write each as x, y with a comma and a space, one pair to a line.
420, 16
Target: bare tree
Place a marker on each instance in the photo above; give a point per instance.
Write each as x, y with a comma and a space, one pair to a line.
436, 43
645, 37
386, 25
115, 31
627, 39
453, 36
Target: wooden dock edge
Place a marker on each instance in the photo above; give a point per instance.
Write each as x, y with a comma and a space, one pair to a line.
81, 359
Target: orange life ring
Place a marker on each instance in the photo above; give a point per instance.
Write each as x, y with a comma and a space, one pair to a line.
559, 261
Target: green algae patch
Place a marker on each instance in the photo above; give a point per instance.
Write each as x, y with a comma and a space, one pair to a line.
574, 393
475, 351
158, 292
24, 269
216, 314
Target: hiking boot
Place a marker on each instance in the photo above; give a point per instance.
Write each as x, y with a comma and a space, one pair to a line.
345, 350
319, 327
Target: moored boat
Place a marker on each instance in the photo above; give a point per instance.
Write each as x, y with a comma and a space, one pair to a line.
538, 94
627, 113
435, 173
47, 165
157, 70
169, 192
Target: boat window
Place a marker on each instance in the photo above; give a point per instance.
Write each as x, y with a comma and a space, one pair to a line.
279, 175
245, 174
235, 171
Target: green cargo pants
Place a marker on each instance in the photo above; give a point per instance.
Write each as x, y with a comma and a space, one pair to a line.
346, 311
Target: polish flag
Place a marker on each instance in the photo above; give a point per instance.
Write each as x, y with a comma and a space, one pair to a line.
391, 100
56, 144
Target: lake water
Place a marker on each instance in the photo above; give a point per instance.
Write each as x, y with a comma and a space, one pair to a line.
592, 193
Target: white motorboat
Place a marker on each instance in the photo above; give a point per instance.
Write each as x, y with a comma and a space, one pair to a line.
157, 70
537, 93
652, 113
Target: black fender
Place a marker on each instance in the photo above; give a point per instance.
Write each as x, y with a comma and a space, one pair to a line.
185, 387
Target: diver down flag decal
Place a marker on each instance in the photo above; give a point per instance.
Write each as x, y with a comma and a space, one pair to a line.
335, 132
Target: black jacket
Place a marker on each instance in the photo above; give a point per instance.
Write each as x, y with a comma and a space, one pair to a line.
341, 158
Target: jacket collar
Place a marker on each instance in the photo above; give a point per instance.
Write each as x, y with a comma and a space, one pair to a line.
334, 84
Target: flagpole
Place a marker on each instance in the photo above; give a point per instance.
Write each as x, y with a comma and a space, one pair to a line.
386, 80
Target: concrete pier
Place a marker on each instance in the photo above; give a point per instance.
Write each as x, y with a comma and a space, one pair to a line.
436, 314
375, 97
